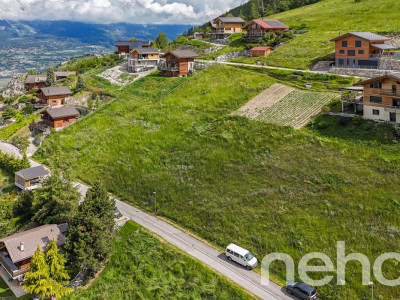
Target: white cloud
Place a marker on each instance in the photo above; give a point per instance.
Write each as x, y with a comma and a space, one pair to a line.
107, 11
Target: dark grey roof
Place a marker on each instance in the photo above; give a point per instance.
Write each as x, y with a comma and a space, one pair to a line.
133, 44
353, 88
60, 112
231, 20
64, 74
32, 173
369, 36
63, 227
35, 78
56, 91
379, 78
183, 54
147, 50
275, 23
395, 75
383, 46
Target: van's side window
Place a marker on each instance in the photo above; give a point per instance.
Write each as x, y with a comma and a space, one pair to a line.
237, 255
230, 251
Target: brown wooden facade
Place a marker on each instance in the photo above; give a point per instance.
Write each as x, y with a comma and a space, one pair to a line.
176, 66
58, 122
257, 28
36, 85
223, 27
261, 51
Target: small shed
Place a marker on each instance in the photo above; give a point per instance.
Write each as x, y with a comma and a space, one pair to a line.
31, 178
261, 51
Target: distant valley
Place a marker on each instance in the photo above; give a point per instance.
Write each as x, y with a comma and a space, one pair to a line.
37, 45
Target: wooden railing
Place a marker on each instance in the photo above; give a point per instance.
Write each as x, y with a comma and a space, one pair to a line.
389, 93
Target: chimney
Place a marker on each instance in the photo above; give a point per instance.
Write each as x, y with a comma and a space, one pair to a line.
21, 246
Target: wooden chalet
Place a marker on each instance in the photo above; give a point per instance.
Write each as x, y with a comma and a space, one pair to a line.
59, 117
142, 59
54, 95
257, 28
31, 178
62, 75
178, 63
361, 49
16, 251
381, 99
224, 27
261, 51
125, 47
35, 81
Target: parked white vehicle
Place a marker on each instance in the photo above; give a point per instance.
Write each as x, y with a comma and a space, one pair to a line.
241, 256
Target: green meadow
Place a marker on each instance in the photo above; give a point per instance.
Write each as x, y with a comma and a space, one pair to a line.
229, 179
325, 20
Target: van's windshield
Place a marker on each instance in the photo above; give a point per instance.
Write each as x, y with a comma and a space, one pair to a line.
249, 256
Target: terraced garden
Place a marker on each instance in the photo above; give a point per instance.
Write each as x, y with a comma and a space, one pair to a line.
295, 109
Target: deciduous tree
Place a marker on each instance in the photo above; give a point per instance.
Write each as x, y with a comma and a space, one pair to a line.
161, 40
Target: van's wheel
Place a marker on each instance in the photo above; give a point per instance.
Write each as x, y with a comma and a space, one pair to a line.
248, 267
229, 258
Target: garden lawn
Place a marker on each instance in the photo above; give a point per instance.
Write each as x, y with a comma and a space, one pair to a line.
326, 20
230, 179
142, 267
5, 290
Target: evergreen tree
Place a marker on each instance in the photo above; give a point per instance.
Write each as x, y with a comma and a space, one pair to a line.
51, 78
161, 40
80, 85
56, 263
56, 201
91, 231
37, 280
254, 12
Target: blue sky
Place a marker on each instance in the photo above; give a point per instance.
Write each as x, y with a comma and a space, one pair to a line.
108, 11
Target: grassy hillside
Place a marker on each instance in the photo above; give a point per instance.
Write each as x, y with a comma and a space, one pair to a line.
326, 20
142, 267
229, 179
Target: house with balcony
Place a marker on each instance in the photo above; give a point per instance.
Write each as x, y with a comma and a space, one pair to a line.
224, 27
143, 59
381, 98
16, 251
54, 95
257, 29
35, 81
125, 47
31, 178
59, 117
178, 63
361, 50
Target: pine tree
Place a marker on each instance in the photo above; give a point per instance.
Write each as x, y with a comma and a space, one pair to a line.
254, 12
80, 85
51, 79
56, 263
91, 231
37, 280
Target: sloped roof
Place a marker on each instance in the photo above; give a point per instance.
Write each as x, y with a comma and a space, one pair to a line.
383, 46
183, 54
56, 91
60, 112
32, 238
268, 24
231, 20
147, 50
64, 74
395, 76
32, 173
133, 44
368, 36
260, 48
35, 78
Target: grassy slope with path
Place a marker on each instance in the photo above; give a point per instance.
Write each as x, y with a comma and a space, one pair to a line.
229, 179
325, 20
142, 267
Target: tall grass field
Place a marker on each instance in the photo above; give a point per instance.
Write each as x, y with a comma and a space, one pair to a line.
228, 179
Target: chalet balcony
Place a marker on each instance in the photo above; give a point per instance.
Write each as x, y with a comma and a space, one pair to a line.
10, 267
389, 93
218, 31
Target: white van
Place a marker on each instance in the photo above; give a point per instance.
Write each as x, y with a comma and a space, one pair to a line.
241, 256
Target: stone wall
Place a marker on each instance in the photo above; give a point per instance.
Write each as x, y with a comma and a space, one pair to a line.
232, 55
367, 73
220, 42
322, 64
389, 64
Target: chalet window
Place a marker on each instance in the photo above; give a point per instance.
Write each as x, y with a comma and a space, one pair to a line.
360, 51
341, 51
375, 99
375, 112
351, 52
358, 44
344, 43
376, 85
341, 62
394, 88
228, 28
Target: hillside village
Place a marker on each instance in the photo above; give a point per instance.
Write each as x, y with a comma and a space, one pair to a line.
96, 151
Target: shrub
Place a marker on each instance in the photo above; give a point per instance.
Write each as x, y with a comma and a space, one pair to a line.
396, 130
344, 121
22, 141
23, 99
323, 125
9, 112
28, 109
12, 164
357, 120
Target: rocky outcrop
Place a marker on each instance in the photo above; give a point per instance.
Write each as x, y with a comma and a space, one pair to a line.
15, 87
209, 50
232, 55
